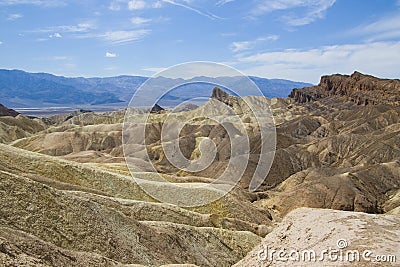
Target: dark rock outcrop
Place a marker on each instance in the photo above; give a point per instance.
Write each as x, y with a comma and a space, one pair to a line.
156, 108
224, 97
4, 111
358, 88
234, 102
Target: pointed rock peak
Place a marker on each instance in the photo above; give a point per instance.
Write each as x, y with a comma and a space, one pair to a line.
156, 108
358, 75
226, 98
219, 94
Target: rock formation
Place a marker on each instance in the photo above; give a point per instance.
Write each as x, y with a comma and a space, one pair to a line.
156, 108
15, 126
359, 88
4, 111
224, 97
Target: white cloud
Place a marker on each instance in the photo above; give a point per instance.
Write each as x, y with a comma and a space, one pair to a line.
51, 36
379, 58
223, 2
264, 6
121, 37
246, 45
79, 28
269, 38
205, 14
14, 16
140, 4
157, 4
111, 55
136, 4
314, 9
55, 35
116, 37
1, 42
383, 29
139, 20
240, 46
114, 6
312, 15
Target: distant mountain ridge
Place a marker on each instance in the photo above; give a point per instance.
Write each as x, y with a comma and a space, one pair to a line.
19, 89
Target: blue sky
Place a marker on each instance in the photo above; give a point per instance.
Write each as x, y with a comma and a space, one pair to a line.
292, 39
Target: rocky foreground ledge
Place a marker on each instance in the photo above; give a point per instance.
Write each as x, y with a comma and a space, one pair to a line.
361, 239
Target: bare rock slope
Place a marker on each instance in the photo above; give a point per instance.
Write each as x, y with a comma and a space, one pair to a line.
60, 214
360, 238
14, 128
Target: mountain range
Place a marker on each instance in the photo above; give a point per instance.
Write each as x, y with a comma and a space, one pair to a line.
20, 89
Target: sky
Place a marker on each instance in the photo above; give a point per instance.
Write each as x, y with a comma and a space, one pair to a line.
298, 40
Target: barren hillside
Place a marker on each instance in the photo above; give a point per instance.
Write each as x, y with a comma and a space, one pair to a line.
69, 199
